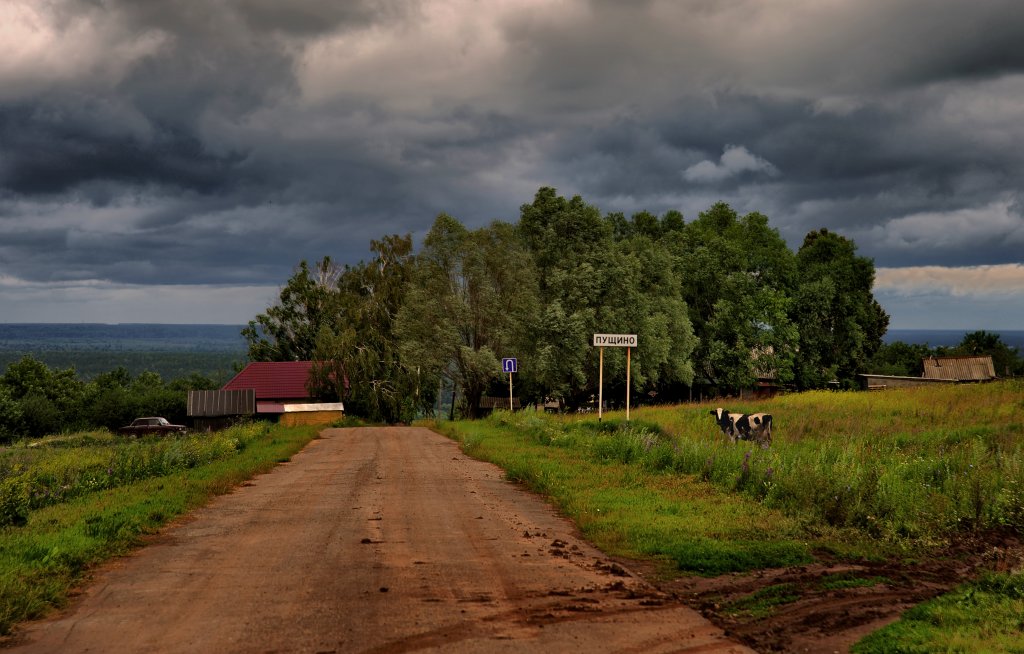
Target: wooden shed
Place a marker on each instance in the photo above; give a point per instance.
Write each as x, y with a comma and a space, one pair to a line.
960, 369
271, 389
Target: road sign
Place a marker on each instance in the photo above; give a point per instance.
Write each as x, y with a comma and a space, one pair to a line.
628, 341
510, 365
615, 340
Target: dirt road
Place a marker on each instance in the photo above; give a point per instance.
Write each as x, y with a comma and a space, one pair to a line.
373, 540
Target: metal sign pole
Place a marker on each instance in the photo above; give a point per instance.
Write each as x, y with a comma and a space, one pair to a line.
510, 365
628, 350
600, 387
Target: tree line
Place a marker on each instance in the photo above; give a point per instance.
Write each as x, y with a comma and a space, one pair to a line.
899, 358
717, 303
36, 400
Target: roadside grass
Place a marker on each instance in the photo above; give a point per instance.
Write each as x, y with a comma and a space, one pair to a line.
44, 555
900, 473
764, 601
984, 616
629, 510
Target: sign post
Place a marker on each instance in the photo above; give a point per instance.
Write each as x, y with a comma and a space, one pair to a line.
628, 341
509, 365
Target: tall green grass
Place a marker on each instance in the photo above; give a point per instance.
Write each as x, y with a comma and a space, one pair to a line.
596, 474
983, 616
914, 466
893, 472
106, 494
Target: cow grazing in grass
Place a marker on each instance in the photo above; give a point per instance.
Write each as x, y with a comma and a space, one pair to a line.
745, 427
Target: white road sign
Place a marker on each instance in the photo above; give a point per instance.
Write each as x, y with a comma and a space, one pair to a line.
615, 340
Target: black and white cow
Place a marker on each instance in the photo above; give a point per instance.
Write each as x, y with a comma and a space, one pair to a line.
746, 427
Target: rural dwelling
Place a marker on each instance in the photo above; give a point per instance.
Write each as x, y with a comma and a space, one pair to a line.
960, 369
278, 390
489, 403
767, 384
937, 370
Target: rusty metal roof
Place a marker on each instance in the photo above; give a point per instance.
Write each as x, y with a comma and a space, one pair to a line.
274, 380
965, 368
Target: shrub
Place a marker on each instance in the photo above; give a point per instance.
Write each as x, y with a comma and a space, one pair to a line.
14, 501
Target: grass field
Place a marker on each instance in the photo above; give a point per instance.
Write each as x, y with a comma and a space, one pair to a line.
69, 502
895, 474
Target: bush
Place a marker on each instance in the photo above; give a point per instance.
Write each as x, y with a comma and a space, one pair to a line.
14, 501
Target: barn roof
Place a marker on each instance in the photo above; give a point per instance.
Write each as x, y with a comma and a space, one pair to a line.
277, 380
965, 368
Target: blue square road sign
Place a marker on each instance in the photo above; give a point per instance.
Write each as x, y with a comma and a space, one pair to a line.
510, 365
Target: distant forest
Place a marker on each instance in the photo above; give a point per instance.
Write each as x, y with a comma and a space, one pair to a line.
64, 377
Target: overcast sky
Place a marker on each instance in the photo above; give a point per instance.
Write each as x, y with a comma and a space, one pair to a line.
174, 161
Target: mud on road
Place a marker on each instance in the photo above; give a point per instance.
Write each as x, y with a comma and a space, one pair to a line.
373, 540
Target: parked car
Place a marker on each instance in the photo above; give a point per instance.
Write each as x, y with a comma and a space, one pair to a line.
143, 426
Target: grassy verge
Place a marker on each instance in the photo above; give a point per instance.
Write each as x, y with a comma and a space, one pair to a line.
858, 475
47, 553
985, 616
629, 509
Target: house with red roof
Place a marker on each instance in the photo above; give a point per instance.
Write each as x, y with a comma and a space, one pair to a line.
267, 389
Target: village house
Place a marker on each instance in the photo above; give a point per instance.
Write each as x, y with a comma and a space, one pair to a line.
270, 390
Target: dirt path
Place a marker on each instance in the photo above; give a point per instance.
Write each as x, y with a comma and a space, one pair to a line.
373, 540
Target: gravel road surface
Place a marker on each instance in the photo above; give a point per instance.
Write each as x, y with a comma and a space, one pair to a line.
373, 540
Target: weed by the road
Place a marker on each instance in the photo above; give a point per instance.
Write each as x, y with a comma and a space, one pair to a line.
858, 475
45, 555
985, 616
764, 601
628, 509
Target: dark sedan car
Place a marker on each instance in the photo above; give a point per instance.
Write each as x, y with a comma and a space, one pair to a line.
143, 426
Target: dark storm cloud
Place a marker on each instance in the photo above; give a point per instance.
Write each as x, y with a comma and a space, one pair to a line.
55, 147
190, 143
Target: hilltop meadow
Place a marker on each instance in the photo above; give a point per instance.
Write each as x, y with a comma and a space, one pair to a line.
890, 482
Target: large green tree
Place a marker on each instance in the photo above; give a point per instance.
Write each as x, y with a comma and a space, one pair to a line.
358, 356
604, 275
288, 330
840, 323
472, 300
736, 273
1006, 359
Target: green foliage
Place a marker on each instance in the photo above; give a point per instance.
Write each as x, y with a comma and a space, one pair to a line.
472, 300
608, 478
362, 348
43, 558
288, 330
51, 472
719, 303
14, 500
984, 616
1006, 360
907, 468
764, 601
214, 366
737, 281
36, 400
840, 324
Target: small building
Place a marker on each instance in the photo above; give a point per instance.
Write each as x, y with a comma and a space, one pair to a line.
489, 403
937, 370
276, 390
767, 385
960, 369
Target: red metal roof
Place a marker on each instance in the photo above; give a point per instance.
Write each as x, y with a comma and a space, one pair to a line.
273, 380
